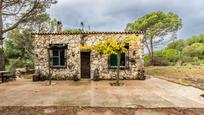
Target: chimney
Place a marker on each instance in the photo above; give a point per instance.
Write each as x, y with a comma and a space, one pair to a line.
59, 26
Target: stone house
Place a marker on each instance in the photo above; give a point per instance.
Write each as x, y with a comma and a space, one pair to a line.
60, 54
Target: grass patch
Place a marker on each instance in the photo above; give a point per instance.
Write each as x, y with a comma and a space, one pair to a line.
185, 75
183, 81
174, 71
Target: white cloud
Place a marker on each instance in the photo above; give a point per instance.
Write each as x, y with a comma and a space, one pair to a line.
113, 15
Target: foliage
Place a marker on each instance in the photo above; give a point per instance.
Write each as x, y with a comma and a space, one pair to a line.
18, 48
164, 57
16, 12
42, 23
73, 31
195, 39
158, 61
146, 60
194, 50
13, 13
115, 46
178, 45
189, 51
86, 48
170, 54
155, 25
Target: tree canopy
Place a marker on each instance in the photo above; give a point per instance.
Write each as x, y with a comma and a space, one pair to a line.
18, 48
182, 51
179, 45
155, 25
13, 13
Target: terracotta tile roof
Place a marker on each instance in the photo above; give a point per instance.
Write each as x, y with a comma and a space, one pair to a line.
87, 33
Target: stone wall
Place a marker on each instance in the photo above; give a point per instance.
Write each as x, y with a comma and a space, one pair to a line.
41, 43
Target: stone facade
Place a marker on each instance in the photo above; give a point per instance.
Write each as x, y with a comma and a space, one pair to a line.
41, 42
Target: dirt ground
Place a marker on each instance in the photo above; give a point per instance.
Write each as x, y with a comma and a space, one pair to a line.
65, 110
150, 93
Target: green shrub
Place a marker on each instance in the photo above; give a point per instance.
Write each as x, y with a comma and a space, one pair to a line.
171, 55
146, 60
159, 61
195, 39
19, 64
194, 50
178, 45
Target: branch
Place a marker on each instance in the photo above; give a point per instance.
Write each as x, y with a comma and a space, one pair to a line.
9, 3
147, 46
9, 13
24, 17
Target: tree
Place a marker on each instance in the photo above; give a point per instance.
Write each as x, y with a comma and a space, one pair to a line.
195, 39
194, 50
18, 48
178, 45
155, 26
15, 12
113, 46
41, 24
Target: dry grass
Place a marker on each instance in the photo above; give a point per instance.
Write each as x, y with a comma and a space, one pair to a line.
185, 75
175, 71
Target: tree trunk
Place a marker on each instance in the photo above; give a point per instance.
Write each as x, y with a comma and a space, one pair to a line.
49, 73
2, 59
152, 51
118, 69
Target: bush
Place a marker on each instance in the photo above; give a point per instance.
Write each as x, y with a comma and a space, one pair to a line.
178, 45
159, 61
19, 64
194, 50
171, 55
146, 60
191, 60
195, 39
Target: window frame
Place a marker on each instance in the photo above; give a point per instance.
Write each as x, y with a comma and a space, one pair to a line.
121, 67
58, 48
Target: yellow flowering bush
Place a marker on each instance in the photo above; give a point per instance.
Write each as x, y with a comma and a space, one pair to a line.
112, 45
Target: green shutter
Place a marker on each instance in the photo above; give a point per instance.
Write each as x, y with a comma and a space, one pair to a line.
122, 60
113, 60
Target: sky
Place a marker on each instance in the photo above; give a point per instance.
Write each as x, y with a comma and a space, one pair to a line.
113, 15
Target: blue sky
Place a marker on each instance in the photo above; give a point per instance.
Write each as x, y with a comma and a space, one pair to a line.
113, 15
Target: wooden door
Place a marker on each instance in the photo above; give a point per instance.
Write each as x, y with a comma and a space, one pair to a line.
85, 65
